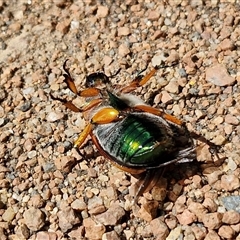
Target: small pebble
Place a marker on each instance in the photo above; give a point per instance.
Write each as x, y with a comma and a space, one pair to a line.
123, 31
230, 182
198, 209
226, 232
148, 211
26, 106
171, 221
219, 76
166, 97
111, 236
231, 119
212, 220
159, 228
123, 50
67, 219
54, 116
46, 236
212, 235
102, 11
112, 216
176, 233
78, 205
93, 230
231, 217
34, 219
8, 215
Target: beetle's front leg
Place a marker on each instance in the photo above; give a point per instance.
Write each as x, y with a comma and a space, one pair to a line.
139, 82
89, 92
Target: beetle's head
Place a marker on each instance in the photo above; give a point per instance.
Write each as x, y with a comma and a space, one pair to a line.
97, 80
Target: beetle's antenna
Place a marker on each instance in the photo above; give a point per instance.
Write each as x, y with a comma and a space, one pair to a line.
115, 74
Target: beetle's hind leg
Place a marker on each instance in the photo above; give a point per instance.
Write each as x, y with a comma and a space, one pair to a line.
146, 181
213, 148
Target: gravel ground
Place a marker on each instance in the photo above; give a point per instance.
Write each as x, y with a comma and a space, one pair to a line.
47, 191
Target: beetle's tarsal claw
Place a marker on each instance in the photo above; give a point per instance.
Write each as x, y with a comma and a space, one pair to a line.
141, 71
82, 156
65, 78
65, 68
163, 65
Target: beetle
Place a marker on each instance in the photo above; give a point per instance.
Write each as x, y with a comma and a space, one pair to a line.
135, 137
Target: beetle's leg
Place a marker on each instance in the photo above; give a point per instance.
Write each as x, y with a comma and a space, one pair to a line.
157, 112
106, 115
213, 148
91, 104
83, 135
68, 104
103, 116
89, 92
139, 82
147, 181
68, 79
74, 108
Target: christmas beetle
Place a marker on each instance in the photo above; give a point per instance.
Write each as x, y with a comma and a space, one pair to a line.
134, 136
